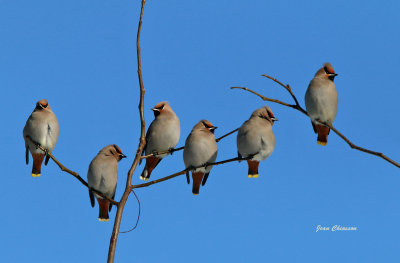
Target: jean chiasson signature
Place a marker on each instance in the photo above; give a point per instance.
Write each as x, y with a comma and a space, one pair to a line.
335, 228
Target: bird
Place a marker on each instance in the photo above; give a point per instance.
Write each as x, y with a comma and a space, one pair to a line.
321, 100
200, 150
163, 135
43, 129
255, 139
102, 176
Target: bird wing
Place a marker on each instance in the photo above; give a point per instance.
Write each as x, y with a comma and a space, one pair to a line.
91, 197
26, 153
205, 179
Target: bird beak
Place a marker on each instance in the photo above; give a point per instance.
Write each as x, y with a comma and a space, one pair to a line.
274, 119
154, 109
213, 128
122, 155
334, 74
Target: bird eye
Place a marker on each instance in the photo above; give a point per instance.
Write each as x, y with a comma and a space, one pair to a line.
326, 70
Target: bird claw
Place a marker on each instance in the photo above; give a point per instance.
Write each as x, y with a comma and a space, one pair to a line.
250, 156
171, 150
37, 145
320, 122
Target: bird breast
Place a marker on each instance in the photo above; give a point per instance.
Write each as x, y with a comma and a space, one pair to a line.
255, 137
321, 100
200, 149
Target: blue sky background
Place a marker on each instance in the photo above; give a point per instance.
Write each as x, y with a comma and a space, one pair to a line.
81, 56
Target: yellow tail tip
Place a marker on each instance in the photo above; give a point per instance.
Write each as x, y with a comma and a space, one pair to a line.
322, 143
144, 178
35, 175
253, 175
195, 194
104, 219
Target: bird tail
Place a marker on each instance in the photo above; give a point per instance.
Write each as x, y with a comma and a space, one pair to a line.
253, 168
197, 178
151, 163
37, 164
103, 209
323, 133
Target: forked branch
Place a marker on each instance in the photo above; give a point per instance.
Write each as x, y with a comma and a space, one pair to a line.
297, 106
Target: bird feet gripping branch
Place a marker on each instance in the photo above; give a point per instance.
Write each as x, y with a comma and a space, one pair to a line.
171, 150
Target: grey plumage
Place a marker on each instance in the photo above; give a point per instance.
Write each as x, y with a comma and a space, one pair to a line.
42, 126
163, 134
256, 139
102, 176
321, 101
200, 148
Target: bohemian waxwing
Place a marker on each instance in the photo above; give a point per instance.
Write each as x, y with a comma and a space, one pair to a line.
163, 134
102, 176
322, 101
255, 139
200, 149
42, 127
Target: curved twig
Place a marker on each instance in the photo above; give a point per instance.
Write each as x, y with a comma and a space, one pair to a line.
137, 221
297, 106
74, 174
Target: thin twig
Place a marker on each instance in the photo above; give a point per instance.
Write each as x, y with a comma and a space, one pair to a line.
299, 108
75, 174
226, 135
137, 220
161, 152
142, 143
287, 87
268, 99
181, 148
353, 146
183, 172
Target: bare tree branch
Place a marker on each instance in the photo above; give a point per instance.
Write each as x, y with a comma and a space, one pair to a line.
181, 148
142, 143
75, 174
183, 172
161, 152
297, 106
353, 146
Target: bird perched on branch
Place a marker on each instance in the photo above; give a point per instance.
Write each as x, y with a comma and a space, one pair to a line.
200, 150
42, 128
163, 134
102, 176
255, 139
322, 101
